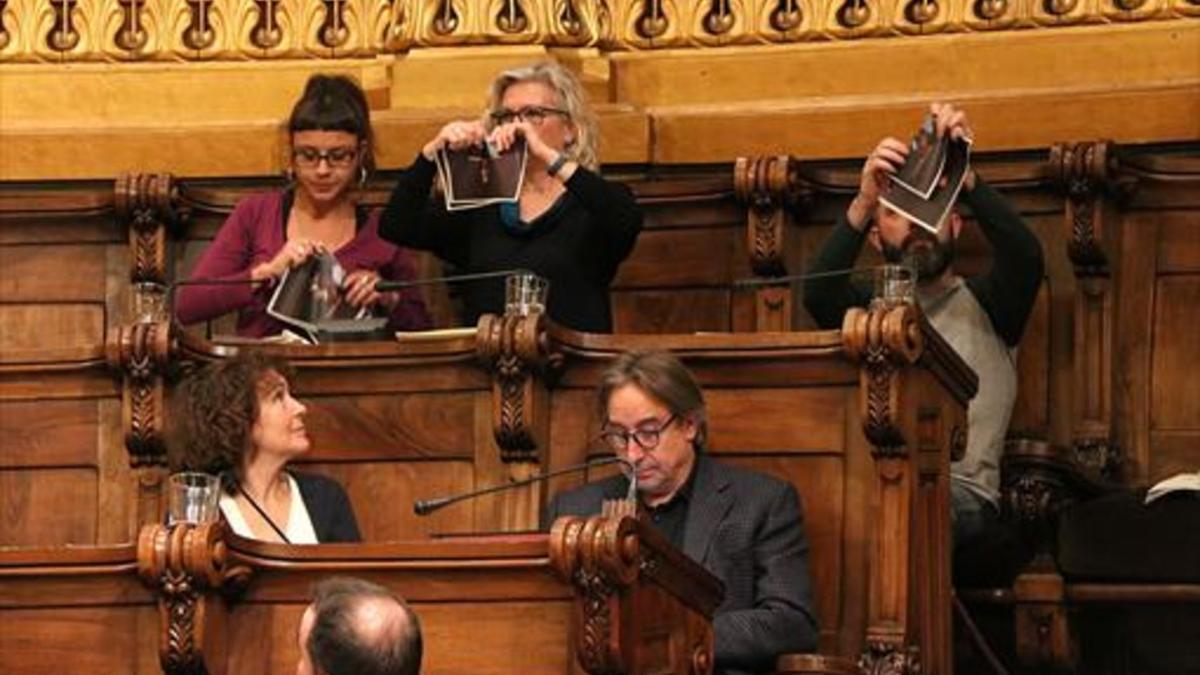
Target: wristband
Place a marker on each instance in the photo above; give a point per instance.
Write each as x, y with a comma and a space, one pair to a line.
557, 164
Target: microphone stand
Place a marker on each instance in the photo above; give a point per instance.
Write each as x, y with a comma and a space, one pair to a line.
423, 507
385, 286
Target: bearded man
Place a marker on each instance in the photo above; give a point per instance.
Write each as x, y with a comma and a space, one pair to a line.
982, 317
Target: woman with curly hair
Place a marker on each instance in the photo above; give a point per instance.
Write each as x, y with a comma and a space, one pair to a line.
236, 418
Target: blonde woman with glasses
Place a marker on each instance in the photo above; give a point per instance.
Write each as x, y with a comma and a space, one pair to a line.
570, 225
331, 156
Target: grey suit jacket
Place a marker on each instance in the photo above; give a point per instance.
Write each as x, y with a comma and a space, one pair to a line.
747, 529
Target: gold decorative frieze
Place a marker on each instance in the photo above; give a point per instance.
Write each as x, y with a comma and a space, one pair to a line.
52, 31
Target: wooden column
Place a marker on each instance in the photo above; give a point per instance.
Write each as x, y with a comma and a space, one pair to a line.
185, 565
516, 351
1085, 174
139, 350
914, 432
770, 187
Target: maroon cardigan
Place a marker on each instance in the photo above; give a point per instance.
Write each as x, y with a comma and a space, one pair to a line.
253, 234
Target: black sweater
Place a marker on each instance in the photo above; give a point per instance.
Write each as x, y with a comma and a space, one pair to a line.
577, 244
1006, 292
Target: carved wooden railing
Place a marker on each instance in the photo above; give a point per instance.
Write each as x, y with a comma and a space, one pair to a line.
627, 586
52, 31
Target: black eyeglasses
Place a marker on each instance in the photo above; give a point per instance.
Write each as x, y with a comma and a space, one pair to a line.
534, 114
646, 437
338, 158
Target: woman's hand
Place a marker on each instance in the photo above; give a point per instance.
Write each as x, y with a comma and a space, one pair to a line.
503, 136
360, 292
294, 252
456, 136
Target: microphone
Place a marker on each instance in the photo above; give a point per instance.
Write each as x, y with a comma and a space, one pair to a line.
754, 282
424, 507
385, 286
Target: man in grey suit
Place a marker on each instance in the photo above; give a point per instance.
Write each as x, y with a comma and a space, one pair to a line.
744, 527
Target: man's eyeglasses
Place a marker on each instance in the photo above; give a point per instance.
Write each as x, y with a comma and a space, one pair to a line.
647, 437
338, 158
534, 114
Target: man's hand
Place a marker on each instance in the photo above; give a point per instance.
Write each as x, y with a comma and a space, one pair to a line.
953, 121
885, 160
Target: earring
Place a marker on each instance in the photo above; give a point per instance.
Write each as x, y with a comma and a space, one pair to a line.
362, 175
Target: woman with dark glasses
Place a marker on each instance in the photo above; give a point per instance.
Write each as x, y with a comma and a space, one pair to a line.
331, 155
570, 225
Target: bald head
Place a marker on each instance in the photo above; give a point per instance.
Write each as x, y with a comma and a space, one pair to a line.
354, 626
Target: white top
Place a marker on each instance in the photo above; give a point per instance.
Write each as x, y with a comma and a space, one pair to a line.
299, 527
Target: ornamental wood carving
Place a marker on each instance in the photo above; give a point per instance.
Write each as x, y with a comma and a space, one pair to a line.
769, 187
887, 658
517, 351
146, 203
607, 559
1088, 176
53, 31
884, 340
184, 565
141, 353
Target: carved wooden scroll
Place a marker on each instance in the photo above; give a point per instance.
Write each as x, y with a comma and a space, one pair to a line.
885, 340
145, 203
184, 565
141, 353
914, 428
1085, 173
769, 187
516, 350
621, 569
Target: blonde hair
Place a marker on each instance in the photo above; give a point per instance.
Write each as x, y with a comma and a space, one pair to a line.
571, 98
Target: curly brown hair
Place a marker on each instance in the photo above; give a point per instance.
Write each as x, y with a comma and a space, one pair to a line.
213, 412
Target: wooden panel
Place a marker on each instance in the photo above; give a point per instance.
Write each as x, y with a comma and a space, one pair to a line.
1030, 413
392, 427
1174, 452
820, 482
700, 257
79, 640
41, 507
1175, 398
48, 433
52, 273
1178, 242
382, 494
678, 310
948, 65
1134, 339
573, 427
33, 332
776, 420
57, 228
460, 637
